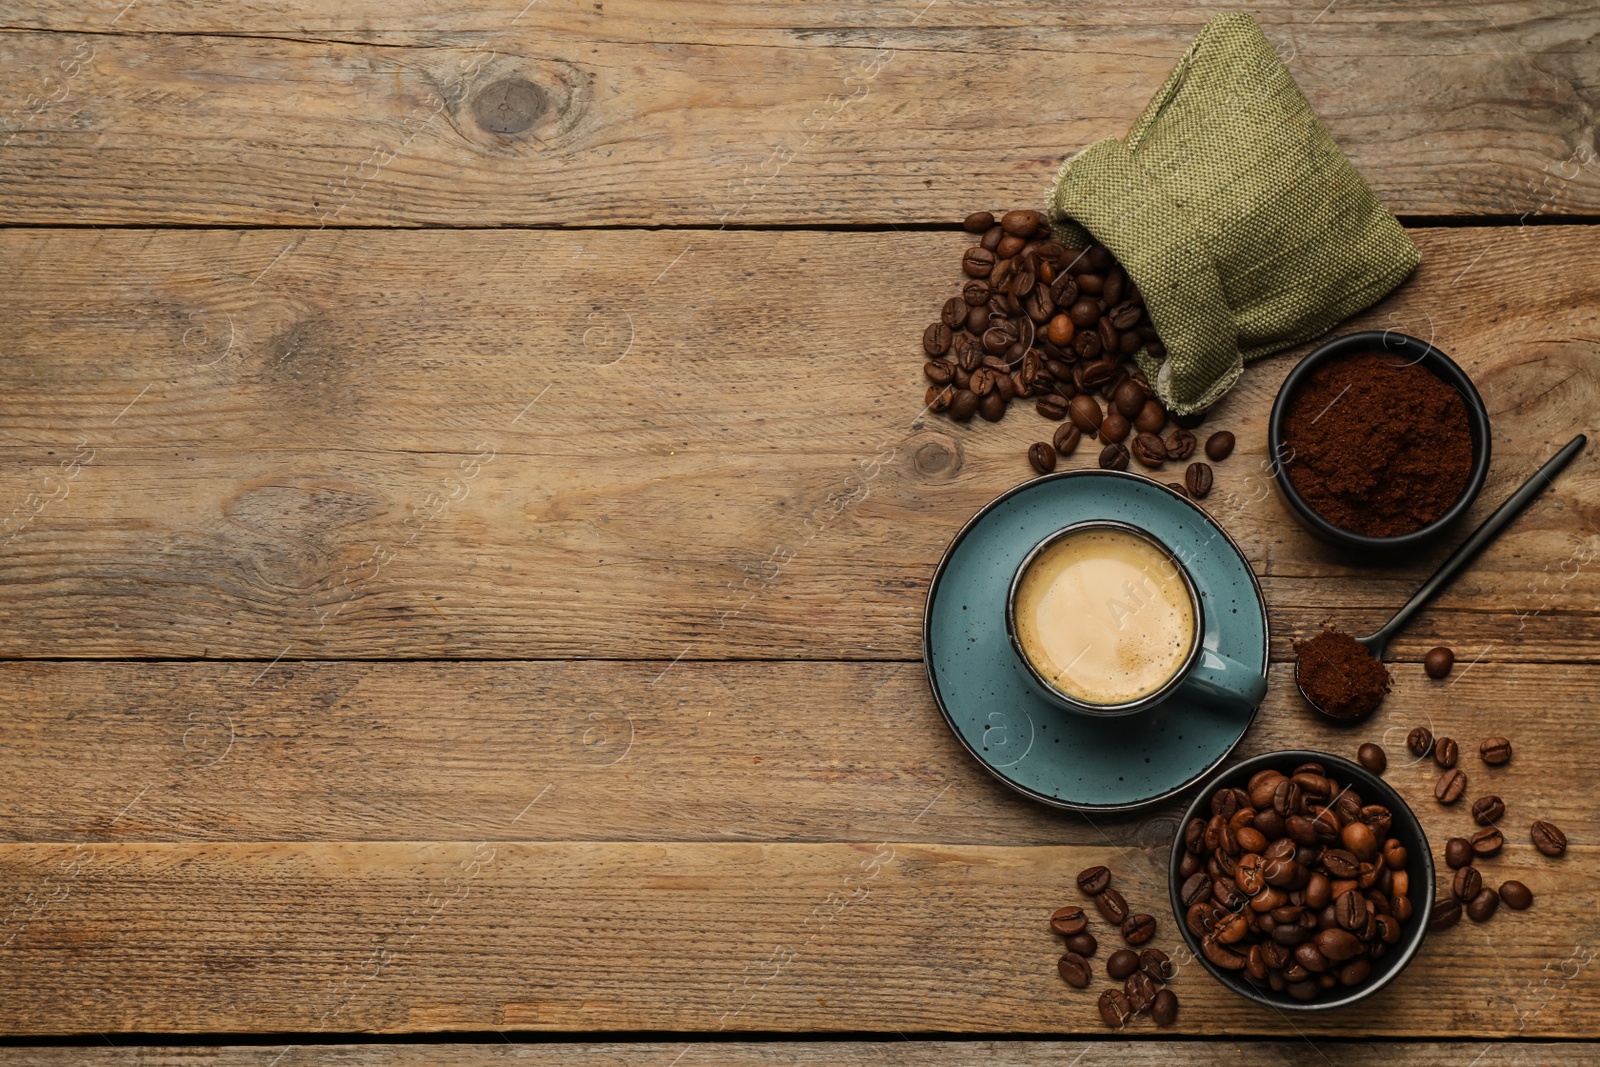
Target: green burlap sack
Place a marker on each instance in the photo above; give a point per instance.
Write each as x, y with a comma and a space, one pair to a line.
1244, 226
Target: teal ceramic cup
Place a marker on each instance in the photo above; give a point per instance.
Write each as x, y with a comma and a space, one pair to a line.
1200, 673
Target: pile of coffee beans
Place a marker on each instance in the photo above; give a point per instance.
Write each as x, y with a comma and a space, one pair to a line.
1037, 320
1294, 882
1468, 894
1143, 974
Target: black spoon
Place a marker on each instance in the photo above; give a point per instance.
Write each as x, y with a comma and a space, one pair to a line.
1488, 531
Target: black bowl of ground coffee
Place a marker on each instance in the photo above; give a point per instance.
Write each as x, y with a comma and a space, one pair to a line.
1379, 441
1301, 880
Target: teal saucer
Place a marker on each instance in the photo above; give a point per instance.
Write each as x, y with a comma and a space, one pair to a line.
1054, 756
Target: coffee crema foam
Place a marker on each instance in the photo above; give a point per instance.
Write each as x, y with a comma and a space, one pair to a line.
1105, 616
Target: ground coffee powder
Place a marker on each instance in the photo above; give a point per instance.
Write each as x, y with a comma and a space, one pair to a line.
1378, 445
1339, 675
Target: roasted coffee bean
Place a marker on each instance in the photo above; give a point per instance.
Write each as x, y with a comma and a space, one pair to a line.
1446, 913
1350, 911
1180, 444
1009, 246
1198, 479
975, 293
939, 371
1164, 1009
1083, 944
1378, 817
954, 313
1084, 314
1157, 964
1094, 880
1495, 750
1394, 854
1129, 398
963, 405
1066, 439
1114, 1008
1141, 990
982, 381
1115, 283
1222, 955
1438, 661
1467, 884
978, 221
1486, 811
1074, 970
1457, 852
1450, 786
1022, 284
978, 319
1110, 339
1125, 317
1219, 446
936, 339
1084, 411
1516, 895
1179, 488
1195, 888
1337, 944
1098, 373
1087, 345
938, 397
1137, 929
1483, 906
1372, 757
1114, 427
992, 407
1114, 457
1359, 840
1149, 450
1420, 741
1355, 972
978, 261
1052, 406
1112, 906
1021, 223
1446, 752
1092, 283
1122, 963
1151, 418
968, 352
1061, 331
1548, 838
1042, 455
1069, 920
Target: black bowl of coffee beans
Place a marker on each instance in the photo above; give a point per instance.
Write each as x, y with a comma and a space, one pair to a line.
1301, 880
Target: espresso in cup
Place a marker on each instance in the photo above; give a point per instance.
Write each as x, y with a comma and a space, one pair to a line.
1105, 615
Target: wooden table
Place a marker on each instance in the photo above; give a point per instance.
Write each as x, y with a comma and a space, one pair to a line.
470, 520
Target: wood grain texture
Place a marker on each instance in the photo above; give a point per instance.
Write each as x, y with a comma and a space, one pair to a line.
638, 113
386, 936
1100, 1052
755, 752
641, 445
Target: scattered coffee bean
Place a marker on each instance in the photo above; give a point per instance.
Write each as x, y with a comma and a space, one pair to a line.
1450, 786
1457, 852
1114, 457
1043, 456
1083, 944
1151, 418
1122, 963
1129, 398
1467, 884
1198, 479
1164, 1009
1094, 880
1516, 895
1112, 906
1074, 970
1052, 406
1066, 439
1084, 411
1021, 223
978, 261
1179, 488
1488, 841
1420, 741
1149, 450
1548, 838
1180, 444
1157, 965
1069, 920
1495, 750
1446, 752
1482, 907
1372, 757
963, 405
1438, 662
1219, 446
1114, 427
1114, 1008
1488, 810
938, 397
1137, 929
1141, 990
978, 221
1446, 913
992, 407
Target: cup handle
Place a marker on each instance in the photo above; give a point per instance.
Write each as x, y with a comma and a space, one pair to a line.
1219, 680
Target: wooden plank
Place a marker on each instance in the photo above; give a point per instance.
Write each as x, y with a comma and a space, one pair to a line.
223, 444
811, 752
389, 936
372, 114
1096, 1053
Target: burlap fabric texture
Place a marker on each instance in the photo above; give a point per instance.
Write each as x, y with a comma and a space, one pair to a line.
1244, 226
